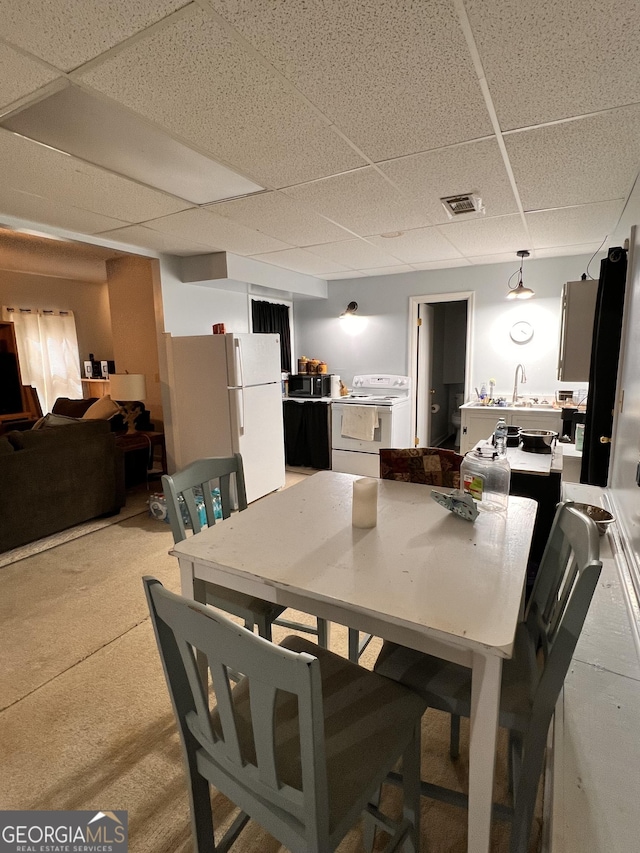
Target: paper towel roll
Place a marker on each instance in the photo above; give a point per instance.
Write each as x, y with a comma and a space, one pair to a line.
365, 502
335, 386
435, 408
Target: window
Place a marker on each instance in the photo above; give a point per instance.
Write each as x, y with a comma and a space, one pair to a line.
47, 352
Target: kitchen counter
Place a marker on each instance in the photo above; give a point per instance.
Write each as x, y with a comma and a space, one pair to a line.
512, 408
309, 399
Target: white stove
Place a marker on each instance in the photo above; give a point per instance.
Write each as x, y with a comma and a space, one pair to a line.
383, 419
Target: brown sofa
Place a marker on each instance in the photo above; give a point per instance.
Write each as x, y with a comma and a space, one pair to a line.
57, 477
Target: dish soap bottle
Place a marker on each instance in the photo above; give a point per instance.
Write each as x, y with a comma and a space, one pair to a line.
483, 392
486, 477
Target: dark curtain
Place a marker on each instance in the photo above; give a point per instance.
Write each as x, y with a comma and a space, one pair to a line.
274, 318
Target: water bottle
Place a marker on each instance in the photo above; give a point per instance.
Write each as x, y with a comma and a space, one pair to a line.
486, 476
500, 437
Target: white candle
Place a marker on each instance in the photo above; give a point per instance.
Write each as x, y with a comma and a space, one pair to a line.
365, 502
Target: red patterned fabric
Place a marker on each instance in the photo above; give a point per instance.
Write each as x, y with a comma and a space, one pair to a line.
431, 466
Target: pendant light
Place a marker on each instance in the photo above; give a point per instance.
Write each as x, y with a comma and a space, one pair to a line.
520, 291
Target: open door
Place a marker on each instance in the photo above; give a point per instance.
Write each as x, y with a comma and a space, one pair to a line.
439, 358
423, 375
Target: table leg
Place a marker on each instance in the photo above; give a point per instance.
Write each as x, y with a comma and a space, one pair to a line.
485, 704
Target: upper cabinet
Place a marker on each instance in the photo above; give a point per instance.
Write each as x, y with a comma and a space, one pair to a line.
578, 311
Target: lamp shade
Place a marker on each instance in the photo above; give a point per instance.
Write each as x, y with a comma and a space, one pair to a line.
127, 386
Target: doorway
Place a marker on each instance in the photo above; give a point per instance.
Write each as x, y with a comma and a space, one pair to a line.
439, 358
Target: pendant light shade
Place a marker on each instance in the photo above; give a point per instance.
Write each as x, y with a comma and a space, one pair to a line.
520, 291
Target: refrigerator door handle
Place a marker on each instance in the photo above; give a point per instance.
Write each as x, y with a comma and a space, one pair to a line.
239, 392
239, 364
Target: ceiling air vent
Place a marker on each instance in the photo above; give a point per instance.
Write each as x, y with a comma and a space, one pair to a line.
465, 203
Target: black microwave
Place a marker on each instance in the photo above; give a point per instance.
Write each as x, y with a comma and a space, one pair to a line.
309, 385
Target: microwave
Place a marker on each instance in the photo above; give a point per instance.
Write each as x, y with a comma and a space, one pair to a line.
310, 385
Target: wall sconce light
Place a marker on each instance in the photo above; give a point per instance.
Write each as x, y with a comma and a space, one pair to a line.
350, 310
520, 291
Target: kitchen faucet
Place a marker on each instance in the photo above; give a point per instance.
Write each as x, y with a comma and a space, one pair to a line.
523, 377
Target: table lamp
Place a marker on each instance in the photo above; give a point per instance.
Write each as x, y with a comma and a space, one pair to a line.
127, 388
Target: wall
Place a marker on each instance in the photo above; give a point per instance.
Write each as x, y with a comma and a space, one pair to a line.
133, 320
89, 302
382, 342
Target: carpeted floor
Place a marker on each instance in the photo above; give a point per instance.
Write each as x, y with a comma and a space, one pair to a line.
85, 719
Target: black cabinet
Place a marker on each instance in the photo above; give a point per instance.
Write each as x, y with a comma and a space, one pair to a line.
307, 433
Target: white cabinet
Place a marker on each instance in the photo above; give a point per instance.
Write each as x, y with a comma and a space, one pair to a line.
479, 423
578, 310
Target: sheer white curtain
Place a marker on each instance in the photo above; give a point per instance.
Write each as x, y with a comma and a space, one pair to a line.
48, 352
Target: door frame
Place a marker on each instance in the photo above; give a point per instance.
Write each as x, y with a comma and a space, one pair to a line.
412, 337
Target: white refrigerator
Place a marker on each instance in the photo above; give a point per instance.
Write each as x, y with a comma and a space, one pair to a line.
226, 397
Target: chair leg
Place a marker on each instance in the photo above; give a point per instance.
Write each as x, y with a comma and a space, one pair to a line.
354, 645
264, 626
526, 789
200, 805
454, 737
411, 790
369, 828
323, 633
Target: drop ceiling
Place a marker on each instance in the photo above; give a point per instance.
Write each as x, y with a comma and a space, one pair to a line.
355, 117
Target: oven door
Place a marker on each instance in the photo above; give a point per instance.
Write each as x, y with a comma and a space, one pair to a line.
381, 437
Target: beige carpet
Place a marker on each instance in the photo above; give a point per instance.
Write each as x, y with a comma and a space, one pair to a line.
86, 721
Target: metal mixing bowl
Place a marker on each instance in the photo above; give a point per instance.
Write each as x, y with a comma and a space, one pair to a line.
601, 517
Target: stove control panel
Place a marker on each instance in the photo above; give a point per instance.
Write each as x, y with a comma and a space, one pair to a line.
381, 380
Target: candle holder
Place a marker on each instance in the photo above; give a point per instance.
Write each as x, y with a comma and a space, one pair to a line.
365, 503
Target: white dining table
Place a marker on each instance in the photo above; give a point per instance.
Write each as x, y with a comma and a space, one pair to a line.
422, 577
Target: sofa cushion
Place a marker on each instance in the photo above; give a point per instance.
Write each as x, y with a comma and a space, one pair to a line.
72, 408
51, 420
5, 445
51, 438
102, 409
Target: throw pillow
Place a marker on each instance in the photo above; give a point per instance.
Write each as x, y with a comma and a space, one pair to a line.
102, 409
52, 420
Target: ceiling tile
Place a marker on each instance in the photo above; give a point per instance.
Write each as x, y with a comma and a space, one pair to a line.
486, 236
356, 254
20, 75
386, 73
301, 261
420, 244
362, 201
577, 162
193, 79
474, 167
387, 270
440, 265
277, 215
216, 232
67, 33
138, 235
56, 213
583, 224
42, 171
550, 60
582, 249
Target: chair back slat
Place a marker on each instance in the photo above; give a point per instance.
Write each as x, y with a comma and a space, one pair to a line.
194, 484
224, 707
263, 703
236, 738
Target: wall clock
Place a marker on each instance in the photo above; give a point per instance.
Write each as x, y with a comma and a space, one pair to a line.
521, 332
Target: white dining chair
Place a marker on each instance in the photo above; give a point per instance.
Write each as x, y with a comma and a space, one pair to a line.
300, 744
533, 677
192, 487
